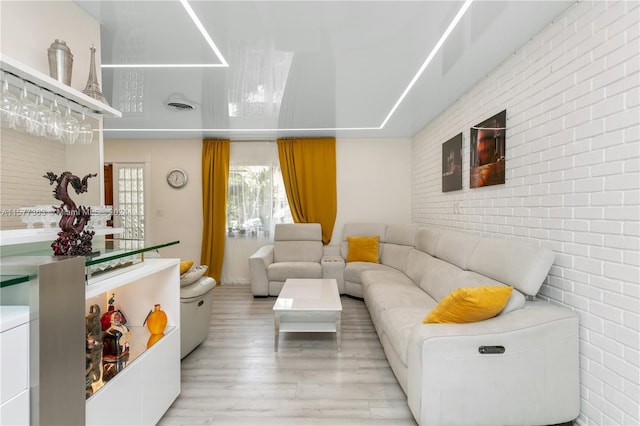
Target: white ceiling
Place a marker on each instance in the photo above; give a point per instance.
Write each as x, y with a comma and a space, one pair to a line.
300, 68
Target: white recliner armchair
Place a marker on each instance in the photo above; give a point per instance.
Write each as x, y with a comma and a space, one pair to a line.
296, 252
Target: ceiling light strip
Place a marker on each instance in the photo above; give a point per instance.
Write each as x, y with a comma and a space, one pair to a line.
426, 63
310, 129
203, 31
164, 65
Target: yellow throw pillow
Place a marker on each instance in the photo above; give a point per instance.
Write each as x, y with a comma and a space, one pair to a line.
470, 304
185, 265
362, 249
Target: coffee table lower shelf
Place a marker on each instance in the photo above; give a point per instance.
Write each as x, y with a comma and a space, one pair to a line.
321, 322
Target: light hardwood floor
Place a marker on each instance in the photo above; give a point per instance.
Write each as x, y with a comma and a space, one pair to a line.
235, 378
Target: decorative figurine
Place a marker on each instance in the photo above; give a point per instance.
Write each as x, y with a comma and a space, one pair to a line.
92, 88
72, 240
116, 340
105, 320
93, 349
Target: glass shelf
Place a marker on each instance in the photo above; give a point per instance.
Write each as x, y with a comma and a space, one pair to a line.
108, 256
7, 280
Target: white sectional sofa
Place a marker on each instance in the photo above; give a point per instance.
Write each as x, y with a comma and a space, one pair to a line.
517, 368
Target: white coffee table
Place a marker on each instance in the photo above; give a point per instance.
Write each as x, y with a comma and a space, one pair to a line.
308, 305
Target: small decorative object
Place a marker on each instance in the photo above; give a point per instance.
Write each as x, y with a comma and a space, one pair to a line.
60, 61
93, 349
177, 178
487, 151
452, 164
116, 340
156, 320
105, 320
92, 89
113, 368
72, 240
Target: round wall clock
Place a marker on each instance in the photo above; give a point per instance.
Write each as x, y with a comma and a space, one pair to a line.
177, 178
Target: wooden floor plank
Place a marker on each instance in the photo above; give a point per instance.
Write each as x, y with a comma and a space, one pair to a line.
235, 378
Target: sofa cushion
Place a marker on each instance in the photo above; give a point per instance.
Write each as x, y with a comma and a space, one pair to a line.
395, 255
472, 279
439, 278
398, 323
384, 276
381, 296
354, 270
185, 265
355, 229
416, 264
521, 265
362, 249
470, 304
192, 275
297, 251
401, 233
426, 240
280, 271
456, 247
298, 232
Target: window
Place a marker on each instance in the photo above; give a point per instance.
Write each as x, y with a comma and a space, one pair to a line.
129, 200
257, 198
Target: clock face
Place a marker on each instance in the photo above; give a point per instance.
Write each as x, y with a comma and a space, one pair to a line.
177, 178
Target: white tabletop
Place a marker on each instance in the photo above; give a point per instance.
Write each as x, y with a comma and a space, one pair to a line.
308, 295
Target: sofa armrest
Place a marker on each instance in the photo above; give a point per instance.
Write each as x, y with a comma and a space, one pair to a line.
534, 380
258, 264
333, 267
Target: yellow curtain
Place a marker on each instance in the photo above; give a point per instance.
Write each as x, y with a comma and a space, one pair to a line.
309, 174
215, 178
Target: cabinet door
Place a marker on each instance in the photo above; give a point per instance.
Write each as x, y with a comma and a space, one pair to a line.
161, 377
16, 411
118, 402
14, 361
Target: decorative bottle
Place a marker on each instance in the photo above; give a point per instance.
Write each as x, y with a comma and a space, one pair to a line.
116, 340
156, 323
157, 320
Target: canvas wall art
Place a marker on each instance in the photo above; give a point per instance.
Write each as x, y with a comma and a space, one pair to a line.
487, 151
452, 164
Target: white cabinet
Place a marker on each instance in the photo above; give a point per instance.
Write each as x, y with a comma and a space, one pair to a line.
149, 383
14, 364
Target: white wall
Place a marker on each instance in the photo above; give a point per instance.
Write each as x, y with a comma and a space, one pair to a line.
572, 184
175, 214
373, 180
27, 28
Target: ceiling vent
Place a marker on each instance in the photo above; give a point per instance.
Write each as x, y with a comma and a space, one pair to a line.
177, 102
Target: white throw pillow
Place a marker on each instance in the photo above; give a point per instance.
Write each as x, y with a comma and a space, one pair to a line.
192, 275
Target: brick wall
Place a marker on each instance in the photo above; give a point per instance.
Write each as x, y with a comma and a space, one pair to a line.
24, 159
572, 183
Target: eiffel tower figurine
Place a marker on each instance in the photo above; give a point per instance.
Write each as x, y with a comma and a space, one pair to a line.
92, 89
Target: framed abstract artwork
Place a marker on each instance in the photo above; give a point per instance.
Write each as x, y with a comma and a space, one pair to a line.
452, 164
487, 151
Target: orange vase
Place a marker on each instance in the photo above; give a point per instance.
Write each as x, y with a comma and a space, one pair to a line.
157, 320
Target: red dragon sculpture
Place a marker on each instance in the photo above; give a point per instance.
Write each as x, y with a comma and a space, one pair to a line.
72, 240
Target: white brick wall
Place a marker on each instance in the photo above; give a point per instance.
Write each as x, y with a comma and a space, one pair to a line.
24, 159
572, 183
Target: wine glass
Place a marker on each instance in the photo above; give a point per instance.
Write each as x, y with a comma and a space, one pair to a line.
53, 130
42, 117
25, 112
69, 127
8, 105
85, 131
